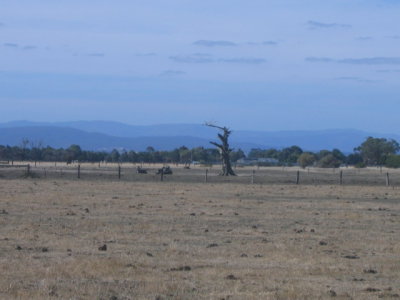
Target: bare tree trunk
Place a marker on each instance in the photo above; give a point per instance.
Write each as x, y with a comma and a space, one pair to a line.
224, 150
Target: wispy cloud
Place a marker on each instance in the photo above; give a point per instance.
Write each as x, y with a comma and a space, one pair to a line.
269, 43
243, 60
210, 43
29, 47
146, 54
96, 54
358, 61
265, 43
200, 58
320, 25
371, 61
197, 58
11, 45
319, 59
356, 79
388, 71
16, 46
364, 38
172, 73
395, 37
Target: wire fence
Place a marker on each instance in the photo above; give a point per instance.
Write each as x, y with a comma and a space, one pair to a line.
199, 174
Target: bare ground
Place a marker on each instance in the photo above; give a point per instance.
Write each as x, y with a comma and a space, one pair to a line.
197, 241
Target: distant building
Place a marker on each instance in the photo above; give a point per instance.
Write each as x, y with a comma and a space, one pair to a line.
258, 161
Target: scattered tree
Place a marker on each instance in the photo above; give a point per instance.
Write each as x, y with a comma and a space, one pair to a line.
290, 155
329, 161
354, 159
236, 155
393, 161
224, 150
306, 159
375, 151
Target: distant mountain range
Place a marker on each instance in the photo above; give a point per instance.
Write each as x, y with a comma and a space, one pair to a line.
104, 135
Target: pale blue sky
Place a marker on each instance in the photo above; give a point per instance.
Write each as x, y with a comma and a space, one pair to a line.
267, 65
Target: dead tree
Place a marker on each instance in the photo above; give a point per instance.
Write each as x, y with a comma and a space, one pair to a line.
224, 150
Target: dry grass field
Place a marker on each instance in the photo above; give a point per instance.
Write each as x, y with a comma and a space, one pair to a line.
109, 239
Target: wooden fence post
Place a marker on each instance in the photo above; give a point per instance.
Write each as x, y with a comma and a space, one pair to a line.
341, 177
28, 170
387, 179
79, 171
119, 172
206, 176
298, 177
162, 174
252, 177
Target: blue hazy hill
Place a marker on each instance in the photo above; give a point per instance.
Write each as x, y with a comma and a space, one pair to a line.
106, 135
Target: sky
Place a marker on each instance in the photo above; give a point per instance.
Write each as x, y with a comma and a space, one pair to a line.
257, 65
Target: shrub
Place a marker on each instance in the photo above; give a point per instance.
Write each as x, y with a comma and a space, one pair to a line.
306, 159
329, 161
393, 161
360, 165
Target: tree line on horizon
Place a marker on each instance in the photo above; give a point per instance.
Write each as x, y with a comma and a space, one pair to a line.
372, 152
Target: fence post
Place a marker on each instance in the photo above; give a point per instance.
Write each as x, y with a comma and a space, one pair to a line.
119, 172
162, 174
341, 177
298, 177
206, 176
252, 176
28, 170
387, 179
79, 171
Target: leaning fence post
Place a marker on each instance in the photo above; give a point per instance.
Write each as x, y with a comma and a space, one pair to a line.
119, 172
387, 179
79, 171
206, 176
341, 177
252, 177
298, 177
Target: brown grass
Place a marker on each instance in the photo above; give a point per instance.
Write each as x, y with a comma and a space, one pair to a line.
197, 241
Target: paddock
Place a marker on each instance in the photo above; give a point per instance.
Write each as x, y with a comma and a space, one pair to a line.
90, 238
